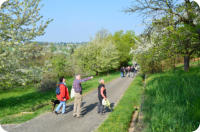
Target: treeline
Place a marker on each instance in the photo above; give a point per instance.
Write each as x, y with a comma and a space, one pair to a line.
104, 53
33, 63
61, 43
24, 62
172, 34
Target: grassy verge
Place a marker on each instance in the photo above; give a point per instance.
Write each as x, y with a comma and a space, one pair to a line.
22, 104
119, 119
172, 101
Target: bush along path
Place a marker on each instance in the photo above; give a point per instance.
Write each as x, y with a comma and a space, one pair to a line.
50, 122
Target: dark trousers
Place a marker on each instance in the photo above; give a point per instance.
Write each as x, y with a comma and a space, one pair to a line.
100, 106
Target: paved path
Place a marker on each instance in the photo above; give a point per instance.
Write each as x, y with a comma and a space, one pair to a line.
49, 122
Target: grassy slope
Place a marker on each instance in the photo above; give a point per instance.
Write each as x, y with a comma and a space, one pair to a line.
172, 101
119, 119
28, 99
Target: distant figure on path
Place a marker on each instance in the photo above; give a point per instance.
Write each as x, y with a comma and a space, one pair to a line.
132, 71
126, 71
122, 70
63, 96
129, 71
78, 94
136, 68
101, 95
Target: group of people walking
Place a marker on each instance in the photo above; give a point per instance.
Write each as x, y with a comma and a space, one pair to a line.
63, 95
129, 71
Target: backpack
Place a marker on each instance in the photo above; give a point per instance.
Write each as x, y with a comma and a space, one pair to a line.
58, 89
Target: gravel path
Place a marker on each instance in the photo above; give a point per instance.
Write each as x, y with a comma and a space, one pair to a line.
49, 122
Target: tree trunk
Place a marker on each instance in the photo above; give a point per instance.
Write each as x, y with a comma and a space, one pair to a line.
186, 63
97, 73
174, 65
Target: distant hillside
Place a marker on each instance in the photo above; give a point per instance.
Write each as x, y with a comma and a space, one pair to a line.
61, 43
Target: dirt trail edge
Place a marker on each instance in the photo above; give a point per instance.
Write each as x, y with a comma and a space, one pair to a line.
49, 122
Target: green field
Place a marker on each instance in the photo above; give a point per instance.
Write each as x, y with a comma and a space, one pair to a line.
22, 104
119, 119
172, 101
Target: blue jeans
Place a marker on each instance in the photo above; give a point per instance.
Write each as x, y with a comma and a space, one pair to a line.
122, 74
63, 104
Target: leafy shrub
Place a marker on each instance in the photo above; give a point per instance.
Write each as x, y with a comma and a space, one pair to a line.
48, 82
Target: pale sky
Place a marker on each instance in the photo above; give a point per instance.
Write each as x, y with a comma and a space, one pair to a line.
79, 20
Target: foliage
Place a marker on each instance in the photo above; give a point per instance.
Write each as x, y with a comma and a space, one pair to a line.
17, 65
173, 29
99, 56
146, 55
61, 65
119, 119
124, 42
48, 82
20, 22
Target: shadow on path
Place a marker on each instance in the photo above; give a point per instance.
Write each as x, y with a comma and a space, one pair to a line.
70, 108
88, 108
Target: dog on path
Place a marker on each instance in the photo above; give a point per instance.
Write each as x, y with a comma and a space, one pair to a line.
54, 103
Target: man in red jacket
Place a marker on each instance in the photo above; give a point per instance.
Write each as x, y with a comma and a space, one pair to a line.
63, 96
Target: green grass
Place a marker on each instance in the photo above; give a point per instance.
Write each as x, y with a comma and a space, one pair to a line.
172, 101
29, 99
119, 119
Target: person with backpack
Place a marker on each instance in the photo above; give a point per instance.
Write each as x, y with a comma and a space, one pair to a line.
78, 94
101, 95
62, 95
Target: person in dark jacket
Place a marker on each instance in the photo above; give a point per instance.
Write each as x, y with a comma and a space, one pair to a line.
101, 95
63, 96
132, 71
122, 71
78, 94
126, 71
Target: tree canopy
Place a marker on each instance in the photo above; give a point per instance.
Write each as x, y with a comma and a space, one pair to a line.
20, 22
174, 26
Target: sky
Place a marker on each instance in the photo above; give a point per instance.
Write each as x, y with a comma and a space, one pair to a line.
80, 20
